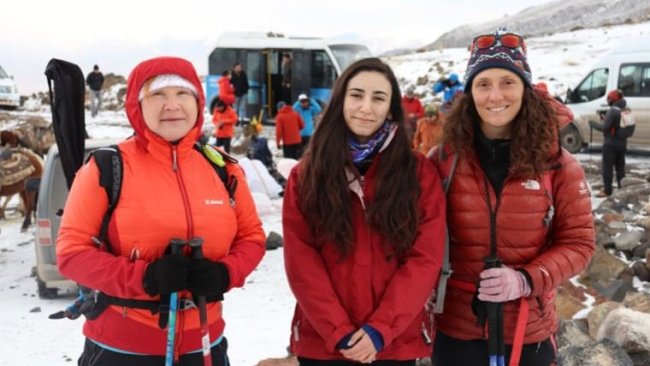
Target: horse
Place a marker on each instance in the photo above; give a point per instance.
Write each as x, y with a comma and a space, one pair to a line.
17, 167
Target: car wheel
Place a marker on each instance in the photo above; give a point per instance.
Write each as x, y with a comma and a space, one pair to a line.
571, 139
45, 292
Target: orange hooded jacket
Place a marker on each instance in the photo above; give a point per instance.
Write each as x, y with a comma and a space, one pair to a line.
224, 122
168, 191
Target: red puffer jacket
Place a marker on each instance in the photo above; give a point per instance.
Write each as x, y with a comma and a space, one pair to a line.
336, 297
522, 241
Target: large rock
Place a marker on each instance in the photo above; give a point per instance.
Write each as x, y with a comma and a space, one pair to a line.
603, 353
573, 332
569, 300
598, 314
630, 329
639, 301
629, 240
604, 266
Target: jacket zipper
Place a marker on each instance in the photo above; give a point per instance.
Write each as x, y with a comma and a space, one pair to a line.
190, 234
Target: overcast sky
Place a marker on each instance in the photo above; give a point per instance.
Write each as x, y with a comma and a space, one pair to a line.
117, 34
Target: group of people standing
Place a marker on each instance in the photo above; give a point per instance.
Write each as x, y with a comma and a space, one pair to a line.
364, 222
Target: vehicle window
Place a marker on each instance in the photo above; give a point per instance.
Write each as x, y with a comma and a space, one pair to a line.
593, 86
222, 59
348, 53
3, 74
322, 70
633, 79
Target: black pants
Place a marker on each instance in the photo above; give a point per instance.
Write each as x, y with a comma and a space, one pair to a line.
94, 355
291, 151
224, 142
304, 144
613, 157
311, 362
448, 351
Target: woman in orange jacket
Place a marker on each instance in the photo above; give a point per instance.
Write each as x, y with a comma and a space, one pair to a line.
224, 119
169, 190
429, 130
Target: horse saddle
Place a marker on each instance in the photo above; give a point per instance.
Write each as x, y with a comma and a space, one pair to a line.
15, 168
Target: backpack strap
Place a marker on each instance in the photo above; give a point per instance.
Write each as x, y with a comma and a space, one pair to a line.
219, 161
111, 170
448, 169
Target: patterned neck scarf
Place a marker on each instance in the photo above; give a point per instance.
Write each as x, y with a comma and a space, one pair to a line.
361, 152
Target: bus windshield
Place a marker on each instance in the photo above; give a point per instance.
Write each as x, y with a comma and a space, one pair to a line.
346, 54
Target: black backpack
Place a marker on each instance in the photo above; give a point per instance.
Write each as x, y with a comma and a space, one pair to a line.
90, 302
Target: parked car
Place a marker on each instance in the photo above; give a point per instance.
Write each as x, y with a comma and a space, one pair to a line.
9, 97
52, 194
626, 68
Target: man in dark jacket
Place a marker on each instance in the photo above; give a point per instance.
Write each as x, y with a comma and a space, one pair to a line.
239, 81
614, 143
94, 80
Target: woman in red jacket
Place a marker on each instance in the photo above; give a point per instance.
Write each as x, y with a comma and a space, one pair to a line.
363, 221
519, 214
169, 190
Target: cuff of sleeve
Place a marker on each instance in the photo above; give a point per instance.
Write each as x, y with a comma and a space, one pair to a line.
375, 337
534, 278
385, 333
336, 336
343, 343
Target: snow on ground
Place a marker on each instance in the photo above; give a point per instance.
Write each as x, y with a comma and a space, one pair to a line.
258, 316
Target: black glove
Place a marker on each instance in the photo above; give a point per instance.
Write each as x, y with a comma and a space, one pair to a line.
167, 274
208, 278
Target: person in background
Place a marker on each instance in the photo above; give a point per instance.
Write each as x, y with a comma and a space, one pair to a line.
451, 87
226, 90
95, 80
308, 109
363, 220
413, 110
518, 209
224, 119
614, 143
429, 130
239, 81
163, 196
288, 124
286, 78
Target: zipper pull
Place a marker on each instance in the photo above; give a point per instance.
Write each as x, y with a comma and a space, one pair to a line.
174, 161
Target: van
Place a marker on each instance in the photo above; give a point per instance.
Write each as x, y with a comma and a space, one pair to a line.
52, 194
9, 97
626, 68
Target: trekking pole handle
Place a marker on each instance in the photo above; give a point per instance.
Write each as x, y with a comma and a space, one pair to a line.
177, 245
195, 244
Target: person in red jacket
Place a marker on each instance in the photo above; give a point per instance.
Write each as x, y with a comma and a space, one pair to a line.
226, 89
288, 124
519, 213
363, 220
169, 190
224, 119
413, 110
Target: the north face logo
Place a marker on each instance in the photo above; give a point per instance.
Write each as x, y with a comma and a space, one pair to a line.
532, 185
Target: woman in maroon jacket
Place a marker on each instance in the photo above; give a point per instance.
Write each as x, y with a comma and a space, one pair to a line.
519, 212
363, 221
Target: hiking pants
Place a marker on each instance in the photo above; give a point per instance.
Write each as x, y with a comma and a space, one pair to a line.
225, 143
95, 101
449, 351
240, 107
613, 157
309, 362
291, 151
94, 355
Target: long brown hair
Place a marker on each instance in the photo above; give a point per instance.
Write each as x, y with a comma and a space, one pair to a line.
534, 132
325, 197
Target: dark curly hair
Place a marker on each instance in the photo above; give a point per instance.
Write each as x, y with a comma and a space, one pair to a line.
325, 197
534, 132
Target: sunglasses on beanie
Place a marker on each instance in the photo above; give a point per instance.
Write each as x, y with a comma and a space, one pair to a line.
509, 40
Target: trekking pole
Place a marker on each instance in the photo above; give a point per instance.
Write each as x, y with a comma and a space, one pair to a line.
496, 348
177, 248
197, 253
